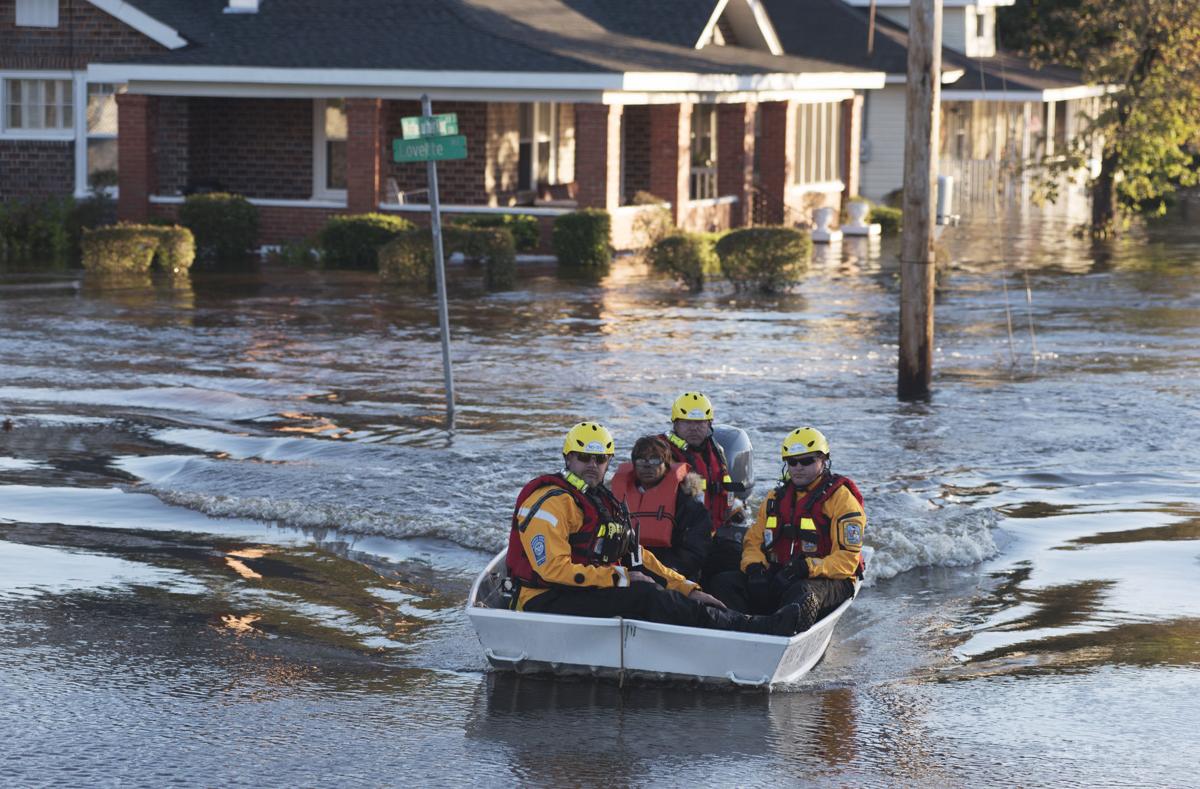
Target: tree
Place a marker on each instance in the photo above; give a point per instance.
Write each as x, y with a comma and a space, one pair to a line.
1148, 52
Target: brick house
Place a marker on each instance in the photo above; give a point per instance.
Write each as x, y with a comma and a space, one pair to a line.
294, 103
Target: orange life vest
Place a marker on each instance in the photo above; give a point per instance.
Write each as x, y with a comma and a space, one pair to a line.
653, 511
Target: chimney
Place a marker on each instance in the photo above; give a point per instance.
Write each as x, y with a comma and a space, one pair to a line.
242, 7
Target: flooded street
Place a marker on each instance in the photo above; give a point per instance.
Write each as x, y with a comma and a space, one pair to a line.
236, 539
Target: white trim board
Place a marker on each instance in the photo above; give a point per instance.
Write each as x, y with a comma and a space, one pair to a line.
408, 81
142, 22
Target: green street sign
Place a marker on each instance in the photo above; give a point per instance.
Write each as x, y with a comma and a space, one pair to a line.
418, 126
433, 149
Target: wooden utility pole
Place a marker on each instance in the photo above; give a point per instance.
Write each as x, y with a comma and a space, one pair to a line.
922, 107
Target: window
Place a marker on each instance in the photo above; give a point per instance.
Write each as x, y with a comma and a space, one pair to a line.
537, 156
329, 149
38, 105
101, 135
703, 182
37, 13
818, 155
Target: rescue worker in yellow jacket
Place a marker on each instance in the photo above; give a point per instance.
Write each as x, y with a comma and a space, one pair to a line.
805, 546
571, 550
665, 500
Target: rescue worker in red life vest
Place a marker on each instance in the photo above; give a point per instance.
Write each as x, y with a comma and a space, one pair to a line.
665, 504
570, 552
805, 546
691, 442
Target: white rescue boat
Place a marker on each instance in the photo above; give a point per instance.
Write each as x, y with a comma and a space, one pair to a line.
632, 649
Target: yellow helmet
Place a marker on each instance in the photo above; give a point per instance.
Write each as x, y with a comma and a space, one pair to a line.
692, 406
802, 441
591, 437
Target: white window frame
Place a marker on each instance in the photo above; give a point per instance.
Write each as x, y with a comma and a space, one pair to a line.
538, 107
320, 191
39, 134
36, 13
702, 180
817, 157
82, 189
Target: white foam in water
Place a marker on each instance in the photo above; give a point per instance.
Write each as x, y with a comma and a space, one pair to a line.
906, 532
209, 402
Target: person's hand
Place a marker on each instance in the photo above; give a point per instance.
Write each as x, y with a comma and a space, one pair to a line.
796, 570
639, 577
705, 598
758, 586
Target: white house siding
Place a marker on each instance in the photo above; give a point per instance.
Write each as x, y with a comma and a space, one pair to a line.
954, 24
883, 142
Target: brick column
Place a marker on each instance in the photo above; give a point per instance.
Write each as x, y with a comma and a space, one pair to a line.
775, 158
598, 155
137, 176
671, 154
735, 158
364, 131
851, 144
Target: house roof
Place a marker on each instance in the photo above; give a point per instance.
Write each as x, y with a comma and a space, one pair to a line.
834, 31
563, 37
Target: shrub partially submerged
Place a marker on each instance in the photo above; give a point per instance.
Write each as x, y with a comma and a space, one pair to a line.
131, 249
689, 257
354, 241
225, 226
408, 258
765, 259
583, 239
524, 228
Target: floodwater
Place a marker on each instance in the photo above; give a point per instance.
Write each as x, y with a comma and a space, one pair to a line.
236, 539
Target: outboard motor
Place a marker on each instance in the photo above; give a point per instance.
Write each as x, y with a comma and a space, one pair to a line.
739, 454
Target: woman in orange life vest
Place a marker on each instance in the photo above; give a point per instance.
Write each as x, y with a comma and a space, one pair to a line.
569, 552
805, 546
664, 503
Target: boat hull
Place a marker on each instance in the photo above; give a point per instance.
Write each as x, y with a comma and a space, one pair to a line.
629, 648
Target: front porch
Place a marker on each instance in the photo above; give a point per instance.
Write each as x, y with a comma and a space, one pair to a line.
718, 163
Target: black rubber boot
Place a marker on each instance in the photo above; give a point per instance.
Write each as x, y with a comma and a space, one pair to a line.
810, 611
783, 622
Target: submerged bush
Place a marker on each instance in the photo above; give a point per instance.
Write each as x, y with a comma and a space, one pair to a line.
354, 240
36, 231
689, 257
225, 226
889, 219
408, 258
130, 249
583, 239
524, 228
765, 259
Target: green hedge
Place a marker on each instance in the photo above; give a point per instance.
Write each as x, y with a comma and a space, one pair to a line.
353, 241
524, 228
225, 226
130, 249
765, 259
582, 239
36, 231
689, 257
408, 258
890, 219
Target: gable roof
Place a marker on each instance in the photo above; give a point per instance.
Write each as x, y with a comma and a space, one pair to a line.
142, 22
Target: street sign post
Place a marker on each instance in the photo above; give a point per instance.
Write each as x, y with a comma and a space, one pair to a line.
432, 138
415, 127
430, 149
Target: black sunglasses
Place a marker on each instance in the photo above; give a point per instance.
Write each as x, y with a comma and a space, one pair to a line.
804, 461
648, 462
587, 457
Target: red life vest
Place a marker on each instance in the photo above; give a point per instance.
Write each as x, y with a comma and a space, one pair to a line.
791, 534
596, 510
709, 463
652, 512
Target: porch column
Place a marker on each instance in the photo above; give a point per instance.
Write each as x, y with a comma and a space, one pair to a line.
137, 176
671, 154
851, 145
598, 155
775, 159
735, 158
363, 135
